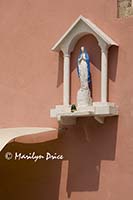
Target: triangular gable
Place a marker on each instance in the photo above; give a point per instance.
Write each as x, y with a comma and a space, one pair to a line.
92, 28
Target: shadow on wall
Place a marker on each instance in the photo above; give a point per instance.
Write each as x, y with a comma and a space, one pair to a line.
60, 69
26, 179
112, 62
84, 146
94, 143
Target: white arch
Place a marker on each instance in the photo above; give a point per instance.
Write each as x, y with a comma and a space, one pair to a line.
77, 37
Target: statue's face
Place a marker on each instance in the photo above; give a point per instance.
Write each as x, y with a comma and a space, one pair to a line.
82, 49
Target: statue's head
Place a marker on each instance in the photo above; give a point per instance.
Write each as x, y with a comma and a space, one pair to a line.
82, 49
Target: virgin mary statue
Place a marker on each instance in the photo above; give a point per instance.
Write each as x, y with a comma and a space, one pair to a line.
83, 68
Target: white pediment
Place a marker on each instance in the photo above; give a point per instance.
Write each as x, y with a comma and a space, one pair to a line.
79, 28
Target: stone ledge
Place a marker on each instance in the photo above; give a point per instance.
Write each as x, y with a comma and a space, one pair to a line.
97, 109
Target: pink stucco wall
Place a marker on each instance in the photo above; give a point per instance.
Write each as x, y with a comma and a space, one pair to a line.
98, 163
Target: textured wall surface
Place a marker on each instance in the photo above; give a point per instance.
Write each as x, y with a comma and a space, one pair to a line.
125, 8
98, 159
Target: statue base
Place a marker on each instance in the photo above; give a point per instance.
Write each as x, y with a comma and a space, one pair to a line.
83, 98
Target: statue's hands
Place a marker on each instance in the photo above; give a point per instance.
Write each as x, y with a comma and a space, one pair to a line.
81, 58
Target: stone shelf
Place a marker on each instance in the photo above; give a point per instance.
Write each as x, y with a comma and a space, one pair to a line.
98, 110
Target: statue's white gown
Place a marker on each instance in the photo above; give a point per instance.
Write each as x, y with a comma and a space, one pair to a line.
83, 72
